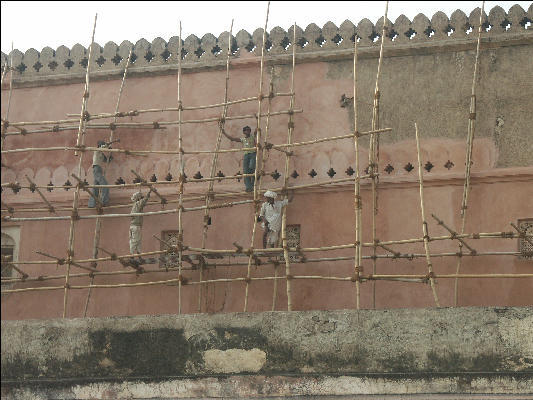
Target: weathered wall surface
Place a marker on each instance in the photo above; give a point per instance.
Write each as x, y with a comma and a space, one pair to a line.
461, 351
426, 79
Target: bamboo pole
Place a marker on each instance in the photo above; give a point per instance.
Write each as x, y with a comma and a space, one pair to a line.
98, 223
243, 264
424, 222
85, 98
373, 151
357, 187
440, 222
469, 149
181, 162
290, 129
215, 160
5, 123
50, 206
82, 186
79, 141
420, 277
257, 141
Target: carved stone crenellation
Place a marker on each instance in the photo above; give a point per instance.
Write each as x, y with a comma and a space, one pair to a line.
209, 49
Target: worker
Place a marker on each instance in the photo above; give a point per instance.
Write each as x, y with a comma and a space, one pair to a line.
139, 201
270, 216
248, 161
99, 159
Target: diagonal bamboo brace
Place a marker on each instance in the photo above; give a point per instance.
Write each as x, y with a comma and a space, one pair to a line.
454, 234
50, 206
82, 185
62, 261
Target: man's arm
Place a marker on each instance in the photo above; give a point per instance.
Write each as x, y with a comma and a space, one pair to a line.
146, 198
233, 139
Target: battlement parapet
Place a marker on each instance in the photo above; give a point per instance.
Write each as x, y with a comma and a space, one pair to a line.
210, 51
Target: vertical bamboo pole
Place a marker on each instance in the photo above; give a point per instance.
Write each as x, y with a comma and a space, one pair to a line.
214, 162
373, 154
11, 70
181, 179
264, 157
290, 130
357, 185
424, 222
98, 223
80, 140
81, 131
257, 141
469, 148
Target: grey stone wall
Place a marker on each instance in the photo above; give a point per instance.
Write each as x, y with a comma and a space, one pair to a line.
456, 350
210, 50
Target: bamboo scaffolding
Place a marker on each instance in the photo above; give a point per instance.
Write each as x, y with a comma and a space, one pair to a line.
258, 255
469, 149
79, 141
373, 151
98, 223
257, 141
158, 125
174, 109
194, 198
243, 264
215, 161
408, 256
424, 222
290, 129
357, 186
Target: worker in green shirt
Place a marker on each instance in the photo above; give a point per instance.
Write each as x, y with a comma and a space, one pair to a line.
248, 162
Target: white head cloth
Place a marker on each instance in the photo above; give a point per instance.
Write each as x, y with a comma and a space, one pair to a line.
270, 193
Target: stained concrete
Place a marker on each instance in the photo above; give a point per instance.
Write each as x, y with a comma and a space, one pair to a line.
447, 350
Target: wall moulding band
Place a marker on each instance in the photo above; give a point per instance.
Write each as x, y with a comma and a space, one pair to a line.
422, 35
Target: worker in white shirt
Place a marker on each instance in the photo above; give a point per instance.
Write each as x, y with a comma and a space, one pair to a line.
270, 215
99, 160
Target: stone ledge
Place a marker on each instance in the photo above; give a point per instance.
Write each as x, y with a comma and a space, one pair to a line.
399, 344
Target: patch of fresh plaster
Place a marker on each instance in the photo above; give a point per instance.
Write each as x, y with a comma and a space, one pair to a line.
234, 360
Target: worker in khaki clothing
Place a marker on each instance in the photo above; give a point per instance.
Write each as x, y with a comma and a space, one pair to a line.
137, 221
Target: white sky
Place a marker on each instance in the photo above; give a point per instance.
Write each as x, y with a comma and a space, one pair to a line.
53, 23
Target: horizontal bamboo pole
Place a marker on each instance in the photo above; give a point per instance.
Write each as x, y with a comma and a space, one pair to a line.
269, 261
147, 125
133, 113
346, 279
219, 195
327, 139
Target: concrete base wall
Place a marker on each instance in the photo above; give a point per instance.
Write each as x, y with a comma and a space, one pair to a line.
459, 351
